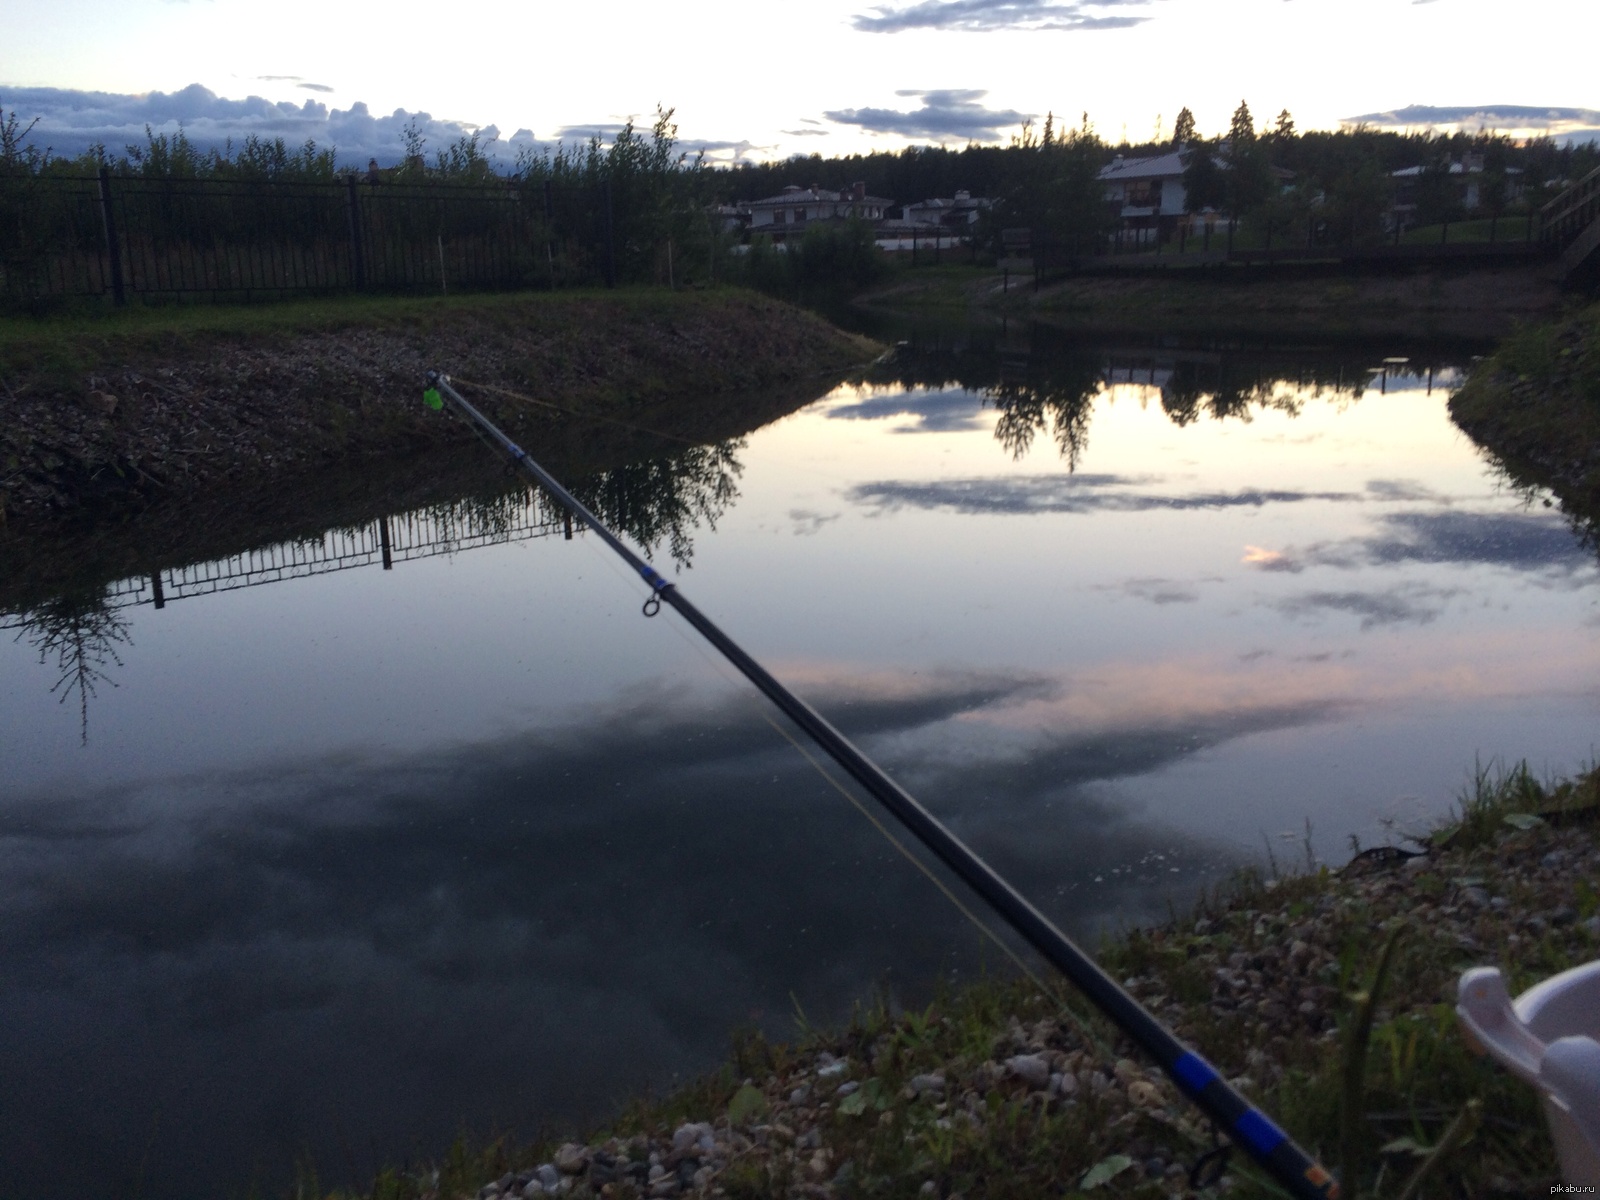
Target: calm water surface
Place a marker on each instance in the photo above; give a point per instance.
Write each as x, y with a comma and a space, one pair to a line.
334, 865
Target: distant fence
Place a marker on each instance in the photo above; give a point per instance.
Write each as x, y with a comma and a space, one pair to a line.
1521, 238
121, 237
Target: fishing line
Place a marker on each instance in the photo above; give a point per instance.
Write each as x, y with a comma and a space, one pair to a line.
740, 687
1246, 1126
572, 412
927, 871
594, 416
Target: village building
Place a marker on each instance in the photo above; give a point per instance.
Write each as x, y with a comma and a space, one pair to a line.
796, 209
940, 223
1468, 179
1147, 193
958, 213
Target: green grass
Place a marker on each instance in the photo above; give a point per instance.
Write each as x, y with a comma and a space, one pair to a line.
60, 348
296, 316
1513, 228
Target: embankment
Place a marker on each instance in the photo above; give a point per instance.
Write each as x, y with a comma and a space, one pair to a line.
102, 417
1414, 303
1535, 404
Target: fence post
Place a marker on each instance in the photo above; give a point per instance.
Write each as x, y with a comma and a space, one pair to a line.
611, 239
549, 234
119, 295
358, 259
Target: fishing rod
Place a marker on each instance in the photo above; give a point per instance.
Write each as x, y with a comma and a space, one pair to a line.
1246, 1126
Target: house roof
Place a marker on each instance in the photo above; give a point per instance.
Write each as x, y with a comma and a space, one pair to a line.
1456, 168
816, 195
955, 203
1161, 166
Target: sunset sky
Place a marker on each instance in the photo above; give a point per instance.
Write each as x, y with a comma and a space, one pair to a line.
767, 80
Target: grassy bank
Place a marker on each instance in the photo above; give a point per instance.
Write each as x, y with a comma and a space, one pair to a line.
1476, 303
1535, 403
97, 414
1005, 1089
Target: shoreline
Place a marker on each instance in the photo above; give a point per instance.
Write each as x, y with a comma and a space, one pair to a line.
103, 417
997, 1089
1535, 405
1474, 303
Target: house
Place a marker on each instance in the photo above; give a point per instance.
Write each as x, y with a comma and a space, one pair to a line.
938, 224
958, 213
1148, 192
729, 218
1467, 177
796, 209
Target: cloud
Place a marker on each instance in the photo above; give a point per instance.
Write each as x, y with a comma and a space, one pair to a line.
1403, 604
1523, 541
985, 16
807, 523
1518, 120
314, 87
1163, 591
70, 121
1080, 493
805, 132
583, 133
945, 113
948, 411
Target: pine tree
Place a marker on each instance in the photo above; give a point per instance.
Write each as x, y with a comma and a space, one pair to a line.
1242, 130
1183, 132
1284, 129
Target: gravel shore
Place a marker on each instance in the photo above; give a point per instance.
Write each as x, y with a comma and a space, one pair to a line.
100, 416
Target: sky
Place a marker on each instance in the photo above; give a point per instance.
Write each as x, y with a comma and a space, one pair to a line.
766, 80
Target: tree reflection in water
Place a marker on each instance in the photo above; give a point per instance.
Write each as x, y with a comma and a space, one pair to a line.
660, 500
664, 499
653, 501
1042, 382
82, 631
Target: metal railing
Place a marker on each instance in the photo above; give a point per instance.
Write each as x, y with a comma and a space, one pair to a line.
425, 533
120, 236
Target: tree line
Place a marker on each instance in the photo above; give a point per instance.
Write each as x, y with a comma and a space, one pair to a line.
651, 202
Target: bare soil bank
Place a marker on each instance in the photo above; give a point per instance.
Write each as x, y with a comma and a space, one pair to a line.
104, 417
1472, 303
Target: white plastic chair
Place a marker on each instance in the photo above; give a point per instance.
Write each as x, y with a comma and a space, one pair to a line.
1549, 1037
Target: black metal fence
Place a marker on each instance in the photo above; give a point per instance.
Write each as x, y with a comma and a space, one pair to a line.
122, 237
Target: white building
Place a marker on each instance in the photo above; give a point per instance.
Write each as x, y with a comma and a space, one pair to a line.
956, 213
796, 209
1145, 190
1466, 177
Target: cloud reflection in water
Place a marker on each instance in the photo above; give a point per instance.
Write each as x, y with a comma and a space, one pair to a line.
516, 930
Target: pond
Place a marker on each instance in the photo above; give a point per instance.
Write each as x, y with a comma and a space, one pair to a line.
326, 850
